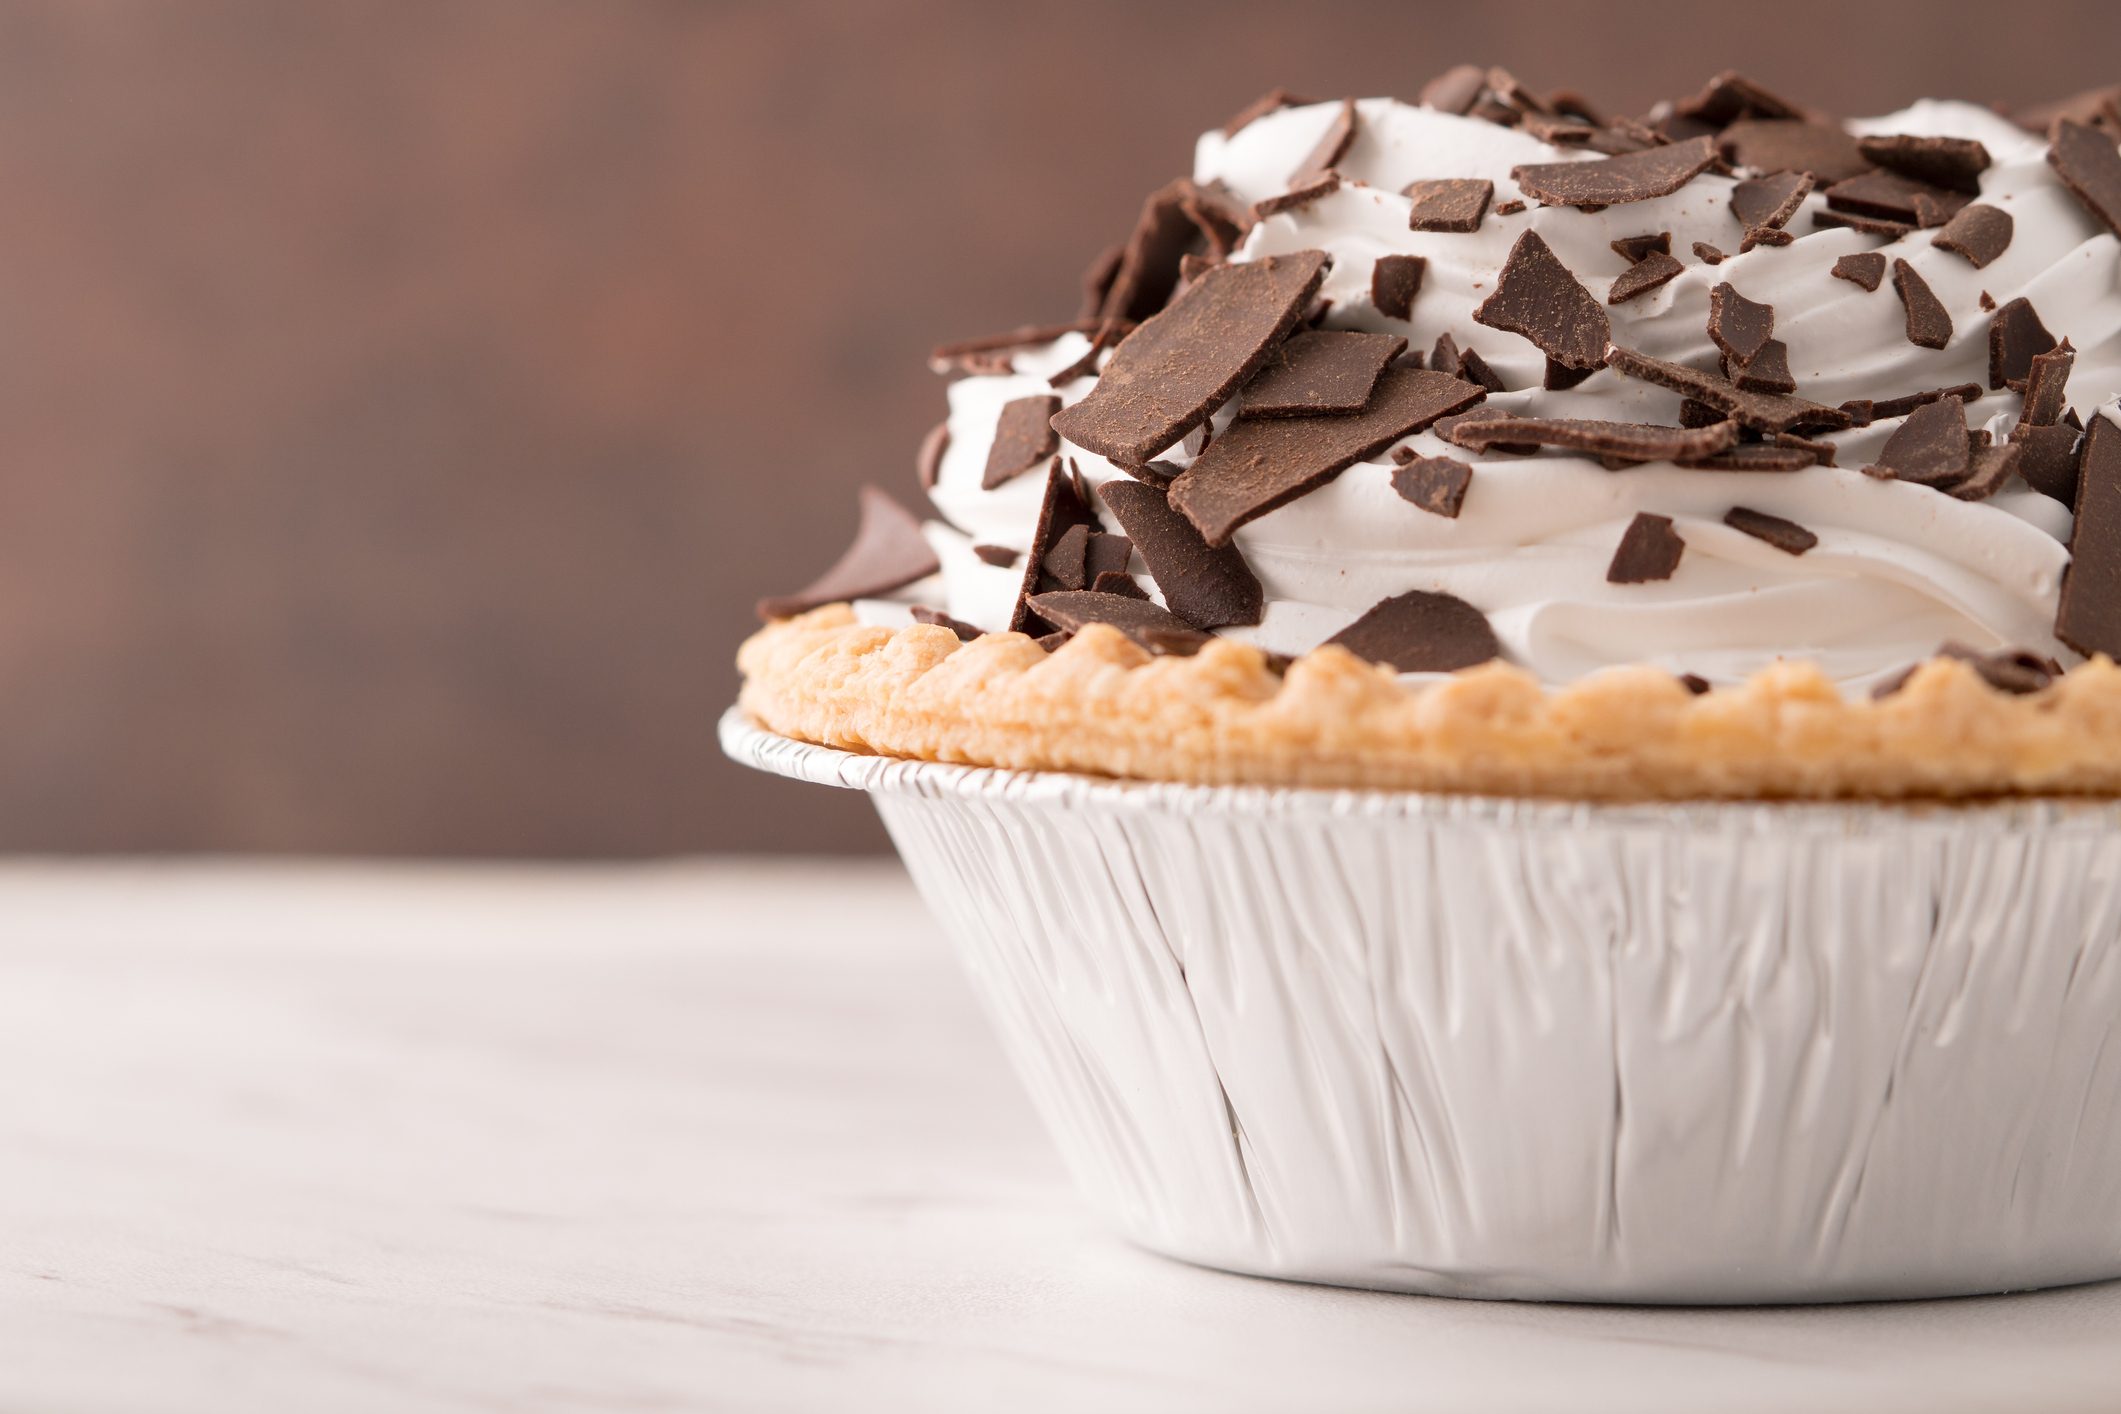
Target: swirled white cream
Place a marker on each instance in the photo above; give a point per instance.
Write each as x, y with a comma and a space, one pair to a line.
1898, 568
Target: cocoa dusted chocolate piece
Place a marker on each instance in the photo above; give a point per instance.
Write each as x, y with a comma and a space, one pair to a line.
1150, 625
1118, 582
1333, 145
1764, 205
1980, 233
1436, 484
1297, 197
1208, 587
1763, 412
1508, 208
1107, 334
1767, 371
2047, 458
965, 632
1887, 196
1822, 151
1730, 96
1538, 298
1260, 464
1449, 204
1708, 254
990, 354
1870, 226
1649, 551
1169, 228
889, 552
1474, 369
928, 464
1636, 249
1885, 409
1865, 268
1106, 554
1000, 556
1653, 271
1063, 508
1737, 325
2017, 671
1394, 282
1625, 441
1953, 163
1929, 326
1022, 439
1066, 565
1785, 535
1989, 471
1930, 447
1320, 371
1421, 632
1164, 379
2089, 618
1634, 176
2090, 166
2015, 338
1754, 456
2047, 385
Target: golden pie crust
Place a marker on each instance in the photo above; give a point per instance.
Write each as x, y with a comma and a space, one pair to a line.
1102, 705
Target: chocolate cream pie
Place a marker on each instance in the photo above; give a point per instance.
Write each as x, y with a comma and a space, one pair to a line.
1491, 442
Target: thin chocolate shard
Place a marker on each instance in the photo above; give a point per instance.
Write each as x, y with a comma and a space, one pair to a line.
1636, 249
1651, 272
1627, 441
1988, 302
1394, 282
1558, 131
1866, 268
1165, 378
988, 355
1931, 447
2090, 166
2017, 671
1208, 587
1063, 508
2048, 459
1000, 556
928, 463
1260, 464
965, 632
1455, 90
1436, 484
1538, 298
1888, 196
1097, 280
1215, 210
1764, 235
2015, 338
1106, 554
1636, 176
1731, 96
1708, 254
1785, 535
1737, 325
1153, 627
1822, 453
889, 552
1118, 582
1763, 412
1769, 202
2047, 386
1272, 101
2099, 107
1297, 197
1064, 564
1754, 456
1978, 232
1451, 204
1954, 163
1929, 326
1649, 551
1508, 208
1822, 151
1474, 369
1148, 266
1421, 632
1333, 145
2089, 618
1767, 371
1107, 335
1022, 439
1560, 377
1869, 225
1990, 471
1885, 409
1320, 371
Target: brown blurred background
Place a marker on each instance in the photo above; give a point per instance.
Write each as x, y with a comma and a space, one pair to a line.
403, 401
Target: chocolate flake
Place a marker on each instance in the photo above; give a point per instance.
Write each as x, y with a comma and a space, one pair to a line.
1635, 176
1866, 268
1167, 376
1206, 586
1319, 371
1885, 409
1108, 333
1931, 447
1455, 89
1272, 101
1097, 280
1627, 441
1508, 208
1708, 254
1560, 377
1421, 632
1436, 484
1106, 554
1297, 197
1474, 369
2047, 386
1763, 412
2090, 166
1928, 325
965, 632
1022, 439
1063, 508
1869, 225
1636, 249
928, 464
2015, 338
1118, 582
1064, 564
1785, 535
889, 552
1767, 371
1822, 151
1989, 471
1149, 625
1651, 272
1263, 463
2017, 671
1648, 551
1000, 556
1450, 204
1953, 163
1888, 196
2089, 618
1978, 232
1769, 202
1149, 262
988, 355
1394, 282
1737, 325
2048, 459
1537, 297
1730, 96
1333, 145
1754, 456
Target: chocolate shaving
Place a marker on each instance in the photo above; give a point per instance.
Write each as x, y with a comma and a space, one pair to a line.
1769, 202
1118, 582
1022, 439
928, 463
1627, 441
2090, 166
1320, 371
1000, 556
1651, 272
1537, 297
1866, 268
1822, 151
1261, 464
1474, 369
1207, 587
2048, 459
1767, 371
1931, 447
1165, 378
1990, 470
1394, 282
1885, 409
1107, 554
1152, 627
1636, 249
1436, 484
1754, 456
2017, 671
1508, 208
1737, 325
2089, 618
1063, 508
1450, 204
1708, 254
1097, 280
2047, 385
1272, 101
984, 355
1107, 334
1869, 225
1148, 266
1731, 96
1455, 90
1421, 632
1763, 412
1636, 176
1297, 197
889, 552
1978, 232
1888, 196
2015, 338
1333, 145
1953, 163
1928, 325
1063, 566
1785, 535
1648, 551
965, 632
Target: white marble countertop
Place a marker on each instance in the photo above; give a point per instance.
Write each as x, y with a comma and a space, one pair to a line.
722, 1136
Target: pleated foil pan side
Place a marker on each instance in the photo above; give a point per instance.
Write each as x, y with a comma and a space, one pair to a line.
1725, 1052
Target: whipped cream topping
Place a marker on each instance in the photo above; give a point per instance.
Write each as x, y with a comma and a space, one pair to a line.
1898, 569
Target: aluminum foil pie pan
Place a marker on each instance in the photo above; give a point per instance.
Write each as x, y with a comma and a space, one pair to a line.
1717, 1052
